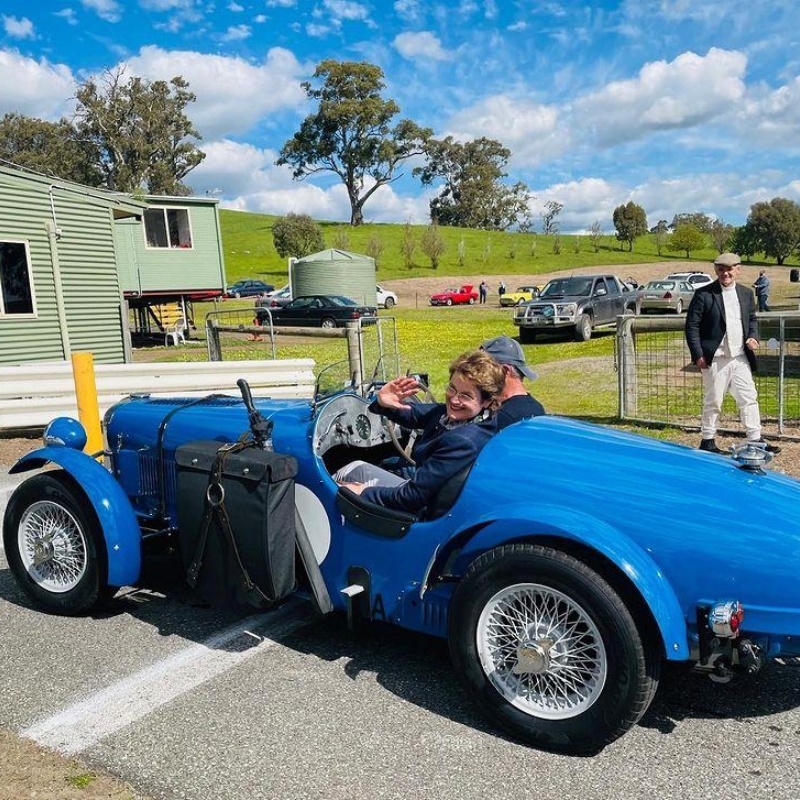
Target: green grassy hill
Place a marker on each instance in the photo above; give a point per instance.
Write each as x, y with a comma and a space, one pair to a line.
249, 252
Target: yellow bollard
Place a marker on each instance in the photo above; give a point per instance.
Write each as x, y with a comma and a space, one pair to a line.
86, 394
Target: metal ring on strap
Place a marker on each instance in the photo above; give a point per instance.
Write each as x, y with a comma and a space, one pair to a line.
219, 496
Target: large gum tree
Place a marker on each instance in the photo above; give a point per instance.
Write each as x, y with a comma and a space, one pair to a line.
352, 133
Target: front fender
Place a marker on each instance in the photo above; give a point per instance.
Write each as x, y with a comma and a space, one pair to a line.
117, 520
577, 526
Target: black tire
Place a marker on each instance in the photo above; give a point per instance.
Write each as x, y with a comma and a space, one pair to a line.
328, 323
613, 667
53, 500
679, 307
389, 303
237, 295
527, 335
472, 301
583, 328
449, 301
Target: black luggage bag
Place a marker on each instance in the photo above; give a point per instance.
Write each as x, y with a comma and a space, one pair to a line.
236, 521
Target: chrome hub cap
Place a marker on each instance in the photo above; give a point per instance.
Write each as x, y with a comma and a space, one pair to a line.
541, 651
52, 546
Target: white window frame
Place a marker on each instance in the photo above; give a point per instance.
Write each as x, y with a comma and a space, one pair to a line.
165, 210
27, 314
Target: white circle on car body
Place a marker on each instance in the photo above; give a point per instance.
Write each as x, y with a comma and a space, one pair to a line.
315, 521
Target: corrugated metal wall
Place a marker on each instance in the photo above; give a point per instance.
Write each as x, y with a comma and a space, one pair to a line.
336, 272
88, 272
167, 269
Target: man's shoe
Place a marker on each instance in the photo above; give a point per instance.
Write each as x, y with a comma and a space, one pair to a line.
770, 448
709, 445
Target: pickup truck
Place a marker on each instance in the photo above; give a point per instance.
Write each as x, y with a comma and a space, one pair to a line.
579, 303
451, 297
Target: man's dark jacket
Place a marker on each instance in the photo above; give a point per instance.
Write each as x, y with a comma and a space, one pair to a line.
705, 321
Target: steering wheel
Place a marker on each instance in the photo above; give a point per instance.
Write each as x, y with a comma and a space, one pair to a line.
393, 429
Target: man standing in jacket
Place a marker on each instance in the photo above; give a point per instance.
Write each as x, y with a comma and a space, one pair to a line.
722, 338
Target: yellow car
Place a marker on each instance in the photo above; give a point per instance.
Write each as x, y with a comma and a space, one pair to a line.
520, 295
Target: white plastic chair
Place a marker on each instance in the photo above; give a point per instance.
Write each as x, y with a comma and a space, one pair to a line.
176, 333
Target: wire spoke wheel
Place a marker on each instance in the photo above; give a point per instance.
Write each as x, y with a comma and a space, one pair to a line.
541, 651
52, 546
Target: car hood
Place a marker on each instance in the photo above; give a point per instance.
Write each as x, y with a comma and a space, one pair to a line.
686, 509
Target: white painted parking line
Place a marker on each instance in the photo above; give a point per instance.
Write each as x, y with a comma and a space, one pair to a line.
86, 722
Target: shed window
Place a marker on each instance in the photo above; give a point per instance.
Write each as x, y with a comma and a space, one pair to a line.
167, 227
16, 290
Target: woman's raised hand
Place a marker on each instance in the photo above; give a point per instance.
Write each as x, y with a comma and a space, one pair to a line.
393, 393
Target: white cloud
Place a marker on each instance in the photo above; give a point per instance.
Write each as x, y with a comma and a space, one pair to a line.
408, 9
249, 180
317, 31
260, 18
346, 9
531, 131
682, 93
772, 116
422, 44
18, 28
34, 88
236, 33
232, 94
68, 15
109, 10
280, 3
235, 8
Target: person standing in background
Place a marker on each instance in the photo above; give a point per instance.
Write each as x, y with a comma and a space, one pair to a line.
482, 291
761, 287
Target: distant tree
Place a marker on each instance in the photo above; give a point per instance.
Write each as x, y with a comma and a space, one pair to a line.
744, 241
596, 235
556, 243
776, 225
51, 148
141, 132
700, 221
660, 234
721, 234
550, 214
432, 244
375, 248
351, 133
686, 238
473, 194
297, 235
630, 221
408, 245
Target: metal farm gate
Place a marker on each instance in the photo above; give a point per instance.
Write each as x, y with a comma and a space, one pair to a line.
659, 384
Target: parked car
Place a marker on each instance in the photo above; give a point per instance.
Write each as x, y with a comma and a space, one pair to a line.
520, 295
697, 279
278, 298
452, 297
322, 310
578, 303
249, 288
558, 613
666, 295
386, 297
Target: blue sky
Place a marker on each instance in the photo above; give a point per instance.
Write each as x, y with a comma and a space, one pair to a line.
678, 105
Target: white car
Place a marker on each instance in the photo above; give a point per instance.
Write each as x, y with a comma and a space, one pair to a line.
697, 279
385, 297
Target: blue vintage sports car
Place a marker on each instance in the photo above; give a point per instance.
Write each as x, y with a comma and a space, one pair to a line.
560, 595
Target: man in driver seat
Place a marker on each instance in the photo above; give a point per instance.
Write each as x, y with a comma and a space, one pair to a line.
449, 440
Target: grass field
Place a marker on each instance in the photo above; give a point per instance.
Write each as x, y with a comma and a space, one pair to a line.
249, 251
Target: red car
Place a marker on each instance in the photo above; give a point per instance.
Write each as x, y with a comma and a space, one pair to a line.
451, 297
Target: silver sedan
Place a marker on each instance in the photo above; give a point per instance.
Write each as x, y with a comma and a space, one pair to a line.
665, 295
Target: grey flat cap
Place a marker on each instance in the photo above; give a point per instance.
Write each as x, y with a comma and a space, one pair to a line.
727, 260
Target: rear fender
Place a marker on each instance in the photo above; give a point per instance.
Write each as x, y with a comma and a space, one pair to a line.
564, 523
111, 505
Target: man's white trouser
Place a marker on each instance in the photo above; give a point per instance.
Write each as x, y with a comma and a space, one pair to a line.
730, 375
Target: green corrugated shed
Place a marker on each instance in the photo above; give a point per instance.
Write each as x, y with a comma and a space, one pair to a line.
194, 266
67, 232
335, 272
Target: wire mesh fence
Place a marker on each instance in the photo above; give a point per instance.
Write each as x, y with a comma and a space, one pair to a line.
658, 383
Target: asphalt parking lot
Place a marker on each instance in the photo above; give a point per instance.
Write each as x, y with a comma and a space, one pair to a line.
182, 701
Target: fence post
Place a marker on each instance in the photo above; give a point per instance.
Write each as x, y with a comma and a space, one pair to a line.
354, 353
212, 341
86, 397
626, 347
